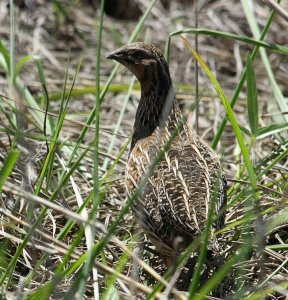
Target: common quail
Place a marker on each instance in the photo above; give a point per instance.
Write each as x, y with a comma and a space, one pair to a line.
173, 205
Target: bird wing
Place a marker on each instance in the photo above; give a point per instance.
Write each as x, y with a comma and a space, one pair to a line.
184, 188
175, 199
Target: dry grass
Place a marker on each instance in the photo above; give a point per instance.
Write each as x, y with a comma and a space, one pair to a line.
41, 30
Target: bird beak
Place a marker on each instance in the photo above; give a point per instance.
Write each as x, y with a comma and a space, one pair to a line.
114, 55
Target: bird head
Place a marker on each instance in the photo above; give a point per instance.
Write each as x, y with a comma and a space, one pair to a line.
144, 60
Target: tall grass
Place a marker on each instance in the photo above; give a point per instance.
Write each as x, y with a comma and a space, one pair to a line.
77, 255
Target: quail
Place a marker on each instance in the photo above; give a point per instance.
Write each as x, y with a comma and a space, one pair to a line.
172, 208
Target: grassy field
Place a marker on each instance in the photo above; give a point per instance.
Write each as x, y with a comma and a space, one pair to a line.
66, 116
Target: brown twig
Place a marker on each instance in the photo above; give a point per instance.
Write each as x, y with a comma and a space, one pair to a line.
274, 5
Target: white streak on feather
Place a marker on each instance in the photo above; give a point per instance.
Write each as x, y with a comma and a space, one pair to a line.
167, 131
167, 196
194, 147
183, 183
151, 182
175, 172
208, 194
132, 180
168, 161
147, 156
194, 218
176, 163
187, 206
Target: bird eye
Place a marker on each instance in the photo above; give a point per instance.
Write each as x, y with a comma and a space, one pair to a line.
138, 54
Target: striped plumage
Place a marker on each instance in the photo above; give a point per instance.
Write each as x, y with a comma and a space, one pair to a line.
174, 201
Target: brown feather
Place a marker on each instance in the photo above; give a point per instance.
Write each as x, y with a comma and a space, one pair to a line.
174, 203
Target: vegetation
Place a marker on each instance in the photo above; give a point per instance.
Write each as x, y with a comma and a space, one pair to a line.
66, 115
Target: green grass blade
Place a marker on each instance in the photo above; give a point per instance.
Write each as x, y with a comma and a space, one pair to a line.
21, 63
111, 292
4, 58
271, 129
267, 292
243, 76
256, 33
252, 101
35, 109
204, 243
132, 38
231, 117
241, 81
12, 47
235, 37
8, 166
222, 272
117, 126
59, 273
13, 262
84, 273
50, 156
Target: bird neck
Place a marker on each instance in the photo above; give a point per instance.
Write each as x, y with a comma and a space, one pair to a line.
157, 99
